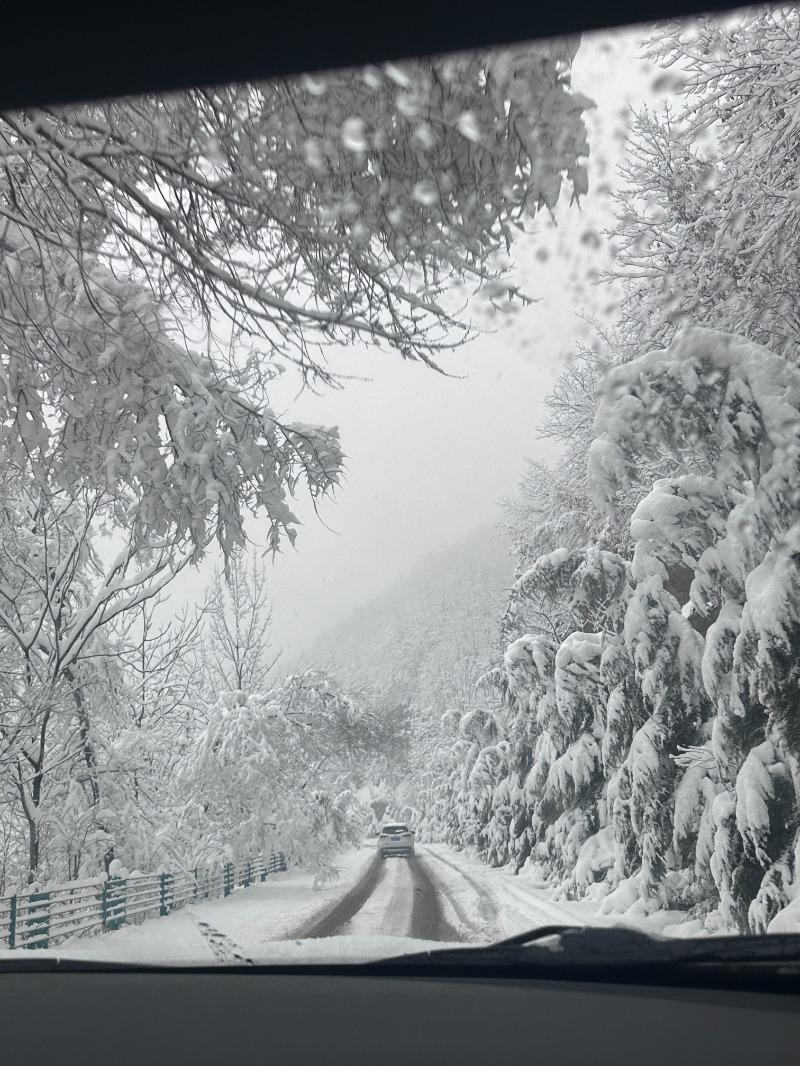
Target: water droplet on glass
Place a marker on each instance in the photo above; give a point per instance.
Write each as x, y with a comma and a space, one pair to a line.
426, 192
359, 233
372, 77
313, 154
423, 134
407, 105
397, 75
353, 134
315, 86
468, 126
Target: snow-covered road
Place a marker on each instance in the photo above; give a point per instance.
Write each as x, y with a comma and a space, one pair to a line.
482, 904
398, 897
442, 896
376, 909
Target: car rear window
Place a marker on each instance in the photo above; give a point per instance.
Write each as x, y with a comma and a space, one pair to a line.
393, 830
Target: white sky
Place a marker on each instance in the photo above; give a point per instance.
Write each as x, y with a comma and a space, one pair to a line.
430, 457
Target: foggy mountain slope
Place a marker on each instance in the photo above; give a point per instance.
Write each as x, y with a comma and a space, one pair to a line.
422, 639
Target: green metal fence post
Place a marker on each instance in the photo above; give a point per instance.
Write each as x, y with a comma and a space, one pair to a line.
262, 864
117, 913
228, 879
40, 923
196, 885
104, 904
12, 922
112, 903
163, 882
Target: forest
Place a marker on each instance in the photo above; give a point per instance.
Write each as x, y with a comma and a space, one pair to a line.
638, 740
165, 261
605, 692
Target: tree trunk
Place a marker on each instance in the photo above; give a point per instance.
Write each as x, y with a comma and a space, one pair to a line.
33, 851
30, 802
90, 759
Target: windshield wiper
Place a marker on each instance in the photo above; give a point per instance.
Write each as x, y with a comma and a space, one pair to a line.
616, 953
35, 962
619, 945
605, 954
539, 932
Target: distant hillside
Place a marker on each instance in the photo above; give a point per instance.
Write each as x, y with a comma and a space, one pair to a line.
425, 638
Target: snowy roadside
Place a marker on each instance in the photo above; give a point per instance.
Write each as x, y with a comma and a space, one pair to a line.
485, 904
252, 917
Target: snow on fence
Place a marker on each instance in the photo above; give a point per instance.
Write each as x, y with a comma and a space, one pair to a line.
40, 918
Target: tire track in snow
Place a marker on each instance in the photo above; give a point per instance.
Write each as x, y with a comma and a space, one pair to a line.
486, 910
550, 912
427, 919
404, 903
519, 910
331, 922
389, 910
400, 898
511, 910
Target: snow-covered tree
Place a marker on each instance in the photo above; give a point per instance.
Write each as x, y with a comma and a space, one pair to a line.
277, 219
275, 770
658, 561
735, 530
708, 210
307, 208
237, 648
281, 218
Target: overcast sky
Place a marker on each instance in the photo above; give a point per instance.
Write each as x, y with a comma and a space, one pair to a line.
430, 457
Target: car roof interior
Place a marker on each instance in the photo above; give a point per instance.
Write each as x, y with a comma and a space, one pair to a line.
82, 52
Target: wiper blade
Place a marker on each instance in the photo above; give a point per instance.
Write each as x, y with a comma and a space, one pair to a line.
553, 952
29, 961
611, 951
539, 932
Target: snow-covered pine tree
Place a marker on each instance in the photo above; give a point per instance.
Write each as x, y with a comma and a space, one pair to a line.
735, 530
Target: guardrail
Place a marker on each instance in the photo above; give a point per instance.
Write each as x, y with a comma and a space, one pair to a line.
41, 918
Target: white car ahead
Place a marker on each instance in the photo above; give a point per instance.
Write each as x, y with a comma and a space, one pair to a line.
396, 839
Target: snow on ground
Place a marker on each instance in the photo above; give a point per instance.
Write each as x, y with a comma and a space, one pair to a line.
389, 907
485, 904
352, 948
252, 917
264, 922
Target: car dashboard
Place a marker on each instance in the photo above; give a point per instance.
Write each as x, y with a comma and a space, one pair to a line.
206, 1017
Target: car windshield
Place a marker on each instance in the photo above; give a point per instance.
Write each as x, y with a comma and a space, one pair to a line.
418, 441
